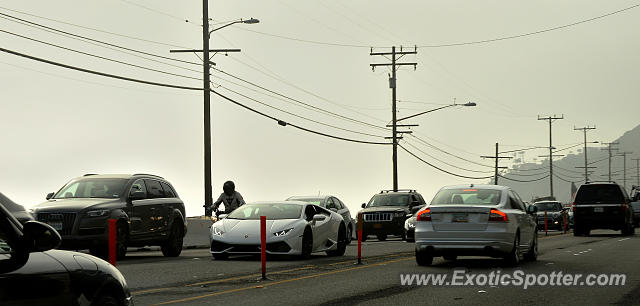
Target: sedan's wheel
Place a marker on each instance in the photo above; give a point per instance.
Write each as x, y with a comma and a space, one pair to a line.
513, 258
220, 256
307, 244
532, 254
342, 244
105, 300
173, 246
424, 258
450, 257
382, 237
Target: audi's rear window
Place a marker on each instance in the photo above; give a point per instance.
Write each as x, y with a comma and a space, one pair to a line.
599, 193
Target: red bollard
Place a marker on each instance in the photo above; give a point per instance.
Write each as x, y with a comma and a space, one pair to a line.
112, 241
263, 245
545, 223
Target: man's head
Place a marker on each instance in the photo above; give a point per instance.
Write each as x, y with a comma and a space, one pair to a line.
229, 188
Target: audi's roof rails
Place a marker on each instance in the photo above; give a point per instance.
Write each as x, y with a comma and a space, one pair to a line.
399, 190
90, 174
148, 175
603, 181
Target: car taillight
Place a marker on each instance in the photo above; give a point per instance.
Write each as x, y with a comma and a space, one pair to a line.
496, 215
424, 215
624, 206
573, 206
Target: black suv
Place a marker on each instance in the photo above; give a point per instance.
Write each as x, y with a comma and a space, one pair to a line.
386, 212
602, 206
554, 214
147, 209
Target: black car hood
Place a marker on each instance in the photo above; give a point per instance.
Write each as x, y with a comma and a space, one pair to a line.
385, 209
73, 204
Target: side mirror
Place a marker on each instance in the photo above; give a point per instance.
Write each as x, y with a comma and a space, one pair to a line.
364, 205
532, 209
49, 195
40, 237
319, 217
136, 195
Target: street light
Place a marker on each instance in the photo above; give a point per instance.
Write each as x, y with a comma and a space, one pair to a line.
208, 194
248, 21
435, 109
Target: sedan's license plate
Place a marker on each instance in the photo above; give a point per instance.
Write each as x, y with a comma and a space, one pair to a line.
598, 209
56, 225
460, 218
377, 225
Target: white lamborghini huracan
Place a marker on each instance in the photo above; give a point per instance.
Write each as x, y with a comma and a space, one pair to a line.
293, 228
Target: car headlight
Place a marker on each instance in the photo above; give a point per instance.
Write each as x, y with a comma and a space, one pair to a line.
217, 231
98, 213
282, 233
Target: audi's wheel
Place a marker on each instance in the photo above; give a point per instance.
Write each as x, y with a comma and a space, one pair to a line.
173, 245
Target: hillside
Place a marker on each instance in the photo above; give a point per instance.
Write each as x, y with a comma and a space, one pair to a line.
565, 171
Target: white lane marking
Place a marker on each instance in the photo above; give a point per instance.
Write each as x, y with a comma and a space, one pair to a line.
623, 239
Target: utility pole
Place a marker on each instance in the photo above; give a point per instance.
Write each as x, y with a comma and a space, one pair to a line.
624, 168
550, 119
496, 157
609, 149
395, 56
206, 63
637, 160
586, 167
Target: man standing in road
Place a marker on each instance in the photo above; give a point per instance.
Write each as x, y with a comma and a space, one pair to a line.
230, 198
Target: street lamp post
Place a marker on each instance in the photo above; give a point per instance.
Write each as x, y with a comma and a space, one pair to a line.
394, 125
206, 34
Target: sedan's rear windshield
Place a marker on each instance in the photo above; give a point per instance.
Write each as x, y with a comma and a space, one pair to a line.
470, 196
550, 206
93, 188
389, 200
271, 211
599, 193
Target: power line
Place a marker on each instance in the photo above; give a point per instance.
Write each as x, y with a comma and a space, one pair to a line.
448, 153
523, 181
94, 29
298, 116
445, 171
98, 56
280, 122
444, 162
301, 102
97, 41
442, 45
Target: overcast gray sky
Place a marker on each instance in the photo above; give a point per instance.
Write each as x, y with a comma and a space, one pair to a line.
58, 124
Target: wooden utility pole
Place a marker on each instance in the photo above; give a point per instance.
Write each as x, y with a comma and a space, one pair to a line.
497, 157
586, 166
395, 56
550, 119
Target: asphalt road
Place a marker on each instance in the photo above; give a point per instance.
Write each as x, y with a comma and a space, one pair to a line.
196, 279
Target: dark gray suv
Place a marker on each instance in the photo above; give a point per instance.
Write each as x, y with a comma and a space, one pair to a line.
147, 209
602, 206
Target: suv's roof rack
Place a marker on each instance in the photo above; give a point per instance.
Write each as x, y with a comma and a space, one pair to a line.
90, 174
399, 190
601, 181
149, 175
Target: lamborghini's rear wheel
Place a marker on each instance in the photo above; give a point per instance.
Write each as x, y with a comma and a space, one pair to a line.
342, 243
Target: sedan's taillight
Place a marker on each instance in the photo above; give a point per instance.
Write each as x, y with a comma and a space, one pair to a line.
573, 206
624, 206
424, 215
497, 216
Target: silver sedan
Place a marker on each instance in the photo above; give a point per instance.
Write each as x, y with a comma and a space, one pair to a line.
472, 220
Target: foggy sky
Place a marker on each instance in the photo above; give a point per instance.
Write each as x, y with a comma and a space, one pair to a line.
58, 124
